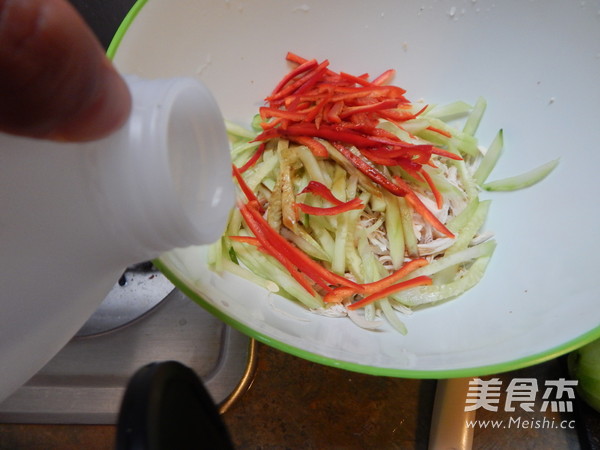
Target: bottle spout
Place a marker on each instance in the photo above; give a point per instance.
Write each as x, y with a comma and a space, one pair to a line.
180, 190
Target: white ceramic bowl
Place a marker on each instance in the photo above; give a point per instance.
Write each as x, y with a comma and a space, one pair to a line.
537, 64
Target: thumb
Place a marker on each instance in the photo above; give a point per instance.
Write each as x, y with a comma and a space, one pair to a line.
55, 80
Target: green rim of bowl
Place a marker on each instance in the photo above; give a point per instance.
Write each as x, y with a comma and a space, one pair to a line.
474, 371
506, 366
125, 24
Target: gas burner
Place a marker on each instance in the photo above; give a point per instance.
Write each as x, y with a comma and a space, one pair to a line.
140, 288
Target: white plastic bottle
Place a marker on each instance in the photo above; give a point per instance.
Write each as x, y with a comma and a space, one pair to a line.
73, 216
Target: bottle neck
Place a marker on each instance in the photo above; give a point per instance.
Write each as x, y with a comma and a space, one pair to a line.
165, 177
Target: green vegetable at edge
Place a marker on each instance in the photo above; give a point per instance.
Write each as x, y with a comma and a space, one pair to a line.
584, 366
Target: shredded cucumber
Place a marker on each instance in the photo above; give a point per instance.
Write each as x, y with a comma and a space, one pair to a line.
466, 143
475, 117
464, 256
490, 159
451, 111
392, 316
523, 180
395, 232
470, 229
423, 295
236, 131
215, 256
268, 269
406, 222
258, 175
369, 243
242, 272
338, 264
240, 154
459, 221
312, 166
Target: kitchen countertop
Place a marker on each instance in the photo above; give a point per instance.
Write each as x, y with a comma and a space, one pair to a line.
293, 403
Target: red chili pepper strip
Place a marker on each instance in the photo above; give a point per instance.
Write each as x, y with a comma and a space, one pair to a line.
317, 188
282, 253
341, 293
245, 188
257, 154
439, 131
360, 135
411, 168
413, 282
371, 172
418, 205
301, 84
303, 67
355, 203
272, 250
401, 116
279, 98
380, 132
362, 80
439, 200
313, 113
302, 261
364, 119
414, 201
266, 112
396, 276
445, 153
351, 93
264, 234
312, 101
382, 105
338, 295
313, 145
333, 114
330, 133
385, 77
379, 157
315, 76
246, 240
419, 153
251, 240
271, 123
294, 58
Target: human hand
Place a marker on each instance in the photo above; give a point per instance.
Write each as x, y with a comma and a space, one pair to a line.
55, 80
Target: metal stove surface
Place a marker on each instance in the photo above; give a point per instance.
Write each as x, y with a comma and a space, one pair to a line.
135, 325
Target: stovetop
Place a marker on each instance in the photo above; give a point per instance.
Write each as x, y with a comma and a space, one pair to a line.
85, 382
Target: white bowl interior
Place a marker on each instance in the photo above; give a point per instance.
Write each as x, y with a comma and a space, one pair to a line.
536, 63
